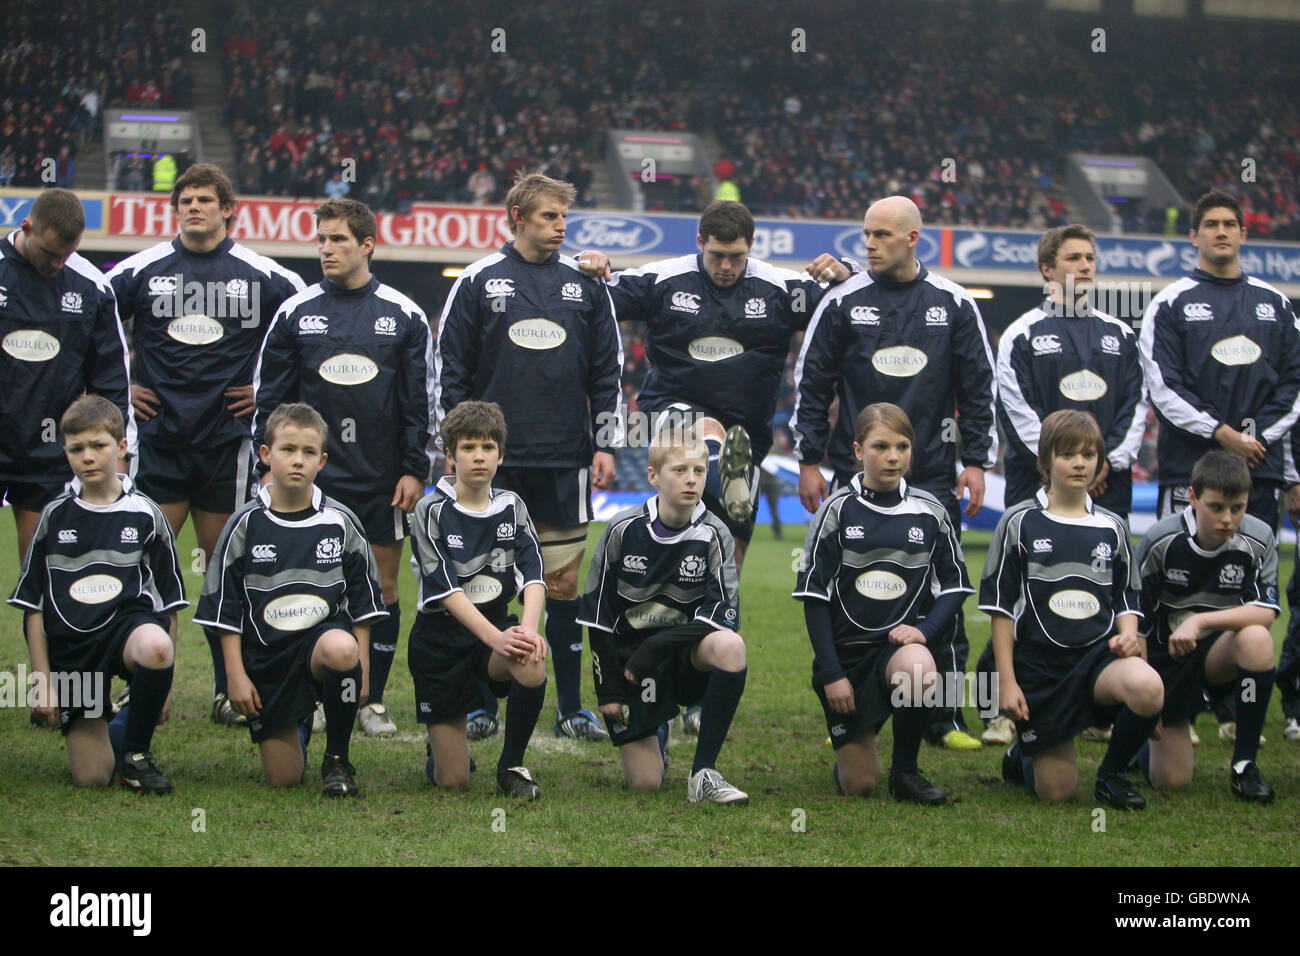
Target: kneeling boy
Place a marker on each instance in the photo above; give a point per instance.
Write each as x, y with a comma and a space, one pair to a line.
662, 614
290, 588
101, 587
1209, 594
475, 548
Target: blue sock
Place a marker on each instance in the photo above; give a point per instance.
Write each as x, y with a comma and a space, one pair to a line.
117, 732
383, 648
219, 685
428, 764
304, 734
1144, 761
662, 734
835, 775
1027, 767
490, 702
717, 708
713, 481
564, 635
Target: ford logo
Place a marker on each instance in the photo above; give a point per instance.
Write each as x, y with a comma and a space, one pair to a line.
626, 234
851, 243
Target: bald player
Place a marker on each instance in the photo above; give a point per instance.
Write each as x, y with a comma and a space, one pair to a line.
899, 333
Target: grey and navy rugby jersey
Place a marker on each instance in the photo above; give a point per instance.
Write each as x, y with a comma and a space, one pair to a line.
919, 344
490, 556
641, 581
1180, 578
197, 320
274, 576
1221, 351
720, 349
362, 358
879, 565
1049, 360
59, 337
1064, 581
90, 563
540, 340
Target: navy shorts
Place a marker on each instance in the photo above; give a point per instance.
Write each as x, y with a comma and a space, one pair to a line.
95, 661
1185, 681
1058, 685
556, 497
866, 671
214, 479
282, 675
677, 683
31, 494
448, 666
382, 522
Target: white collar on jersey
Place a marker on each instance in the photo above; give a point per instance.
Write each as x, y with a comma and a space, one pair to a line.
128, 486
1189, 522
264, 496
1041, 498
864, 493
652, 507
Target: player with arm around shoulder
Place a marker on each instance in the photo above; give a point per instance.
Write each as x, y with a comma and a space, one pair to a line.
1060, 585
662, 618
475, 549
882, 574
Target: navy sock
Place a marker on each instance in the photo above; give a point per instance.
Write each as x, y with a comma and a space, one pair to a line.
717, 708
713, 480
117, 731
340, 708
1126, 739
490, 702
1250, 713
523, 708
219, 685
910, 724
304, 734
662, 734
428, 764
835, 775
383, 648
1027, 768
565, 637
1144, 761
149, 690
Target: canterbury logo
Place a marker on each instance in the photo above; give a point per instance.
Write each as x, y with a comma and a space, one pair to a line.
1198, 312
162, 285
499, 287
1176, 576
263, 552
1045, 344
1042, 545
854, 532
686, 302
634, 562
864, 315
68, 537
313, 324
455, 541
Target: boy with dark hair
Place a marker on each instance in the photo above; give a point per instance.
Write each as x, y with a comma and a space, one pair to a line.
475, 549
292, 588
661, 614
101, 587
1209, 594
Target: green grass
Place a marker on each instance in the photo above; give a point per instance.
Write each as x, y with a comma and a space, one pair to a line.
776, 752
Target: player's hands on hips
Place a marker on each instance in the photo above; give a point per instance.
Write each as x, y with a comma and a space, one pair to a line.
602, 470
839, 695
906, 634
1098, 486
1126, 645
408, 492
1011, 700
1248, 447
243, 695
971, 479
146, 402
812, 487
241, 400
826, 268
594, 264
1183, 640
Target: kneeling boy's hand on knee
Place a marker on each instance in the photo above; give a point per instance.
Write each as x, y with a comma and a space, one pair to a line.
906, 634
1126, 645
839, 694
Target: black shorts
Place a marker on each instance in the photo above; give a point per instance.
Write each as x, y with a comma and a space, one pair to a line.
556, 497
685, 415
31, 494
1058, 685
214, 479
448, 664
1023, 482
1262, 504
96, 661
381, 522
866, 671
677, 683
282, 675
1185, 681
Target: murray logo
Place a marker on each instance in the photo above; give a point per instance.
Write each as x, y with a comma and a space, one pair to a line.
162, 285
1045, 345
1231, 576
864, 315
505, 531
130, 535
1042, 545
68, 536
263, 553
455, 541
854, 532
634, 563
936, 316
71, 302
386, 325
685, 302
915, 535
329, 550
1265, 312
571, 292
1176, 576
692, 567
1110, 344
131, 911
1198, 312
499, 287
313, 324
755, 308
